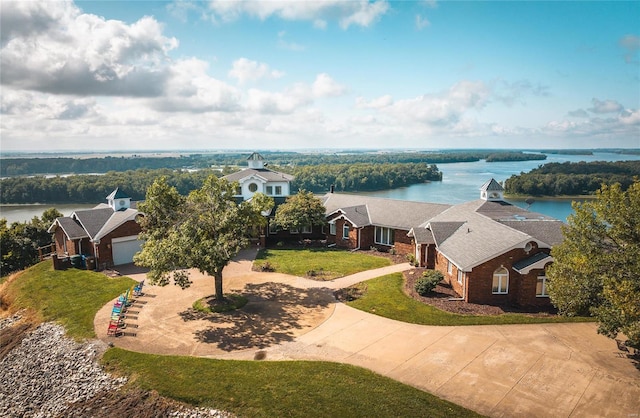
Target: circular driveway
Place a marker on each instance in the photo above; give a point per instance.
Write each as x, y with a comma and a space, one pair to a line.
539, 370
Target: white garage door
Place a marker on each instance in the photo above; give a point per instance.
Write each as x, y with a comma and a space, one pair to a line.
124, 248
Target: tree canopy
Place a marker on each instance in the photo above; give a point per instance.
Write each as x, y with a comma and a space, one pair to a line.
300, 210
597, 266
205, 230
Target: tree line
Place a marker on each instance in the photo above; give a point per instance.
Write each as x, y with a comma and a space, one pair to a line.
319, 179
581, 178
67, 165
363, 176
19, 242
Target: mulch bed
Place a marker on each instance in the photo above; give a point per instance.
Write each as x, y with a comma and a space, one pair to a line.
443, 293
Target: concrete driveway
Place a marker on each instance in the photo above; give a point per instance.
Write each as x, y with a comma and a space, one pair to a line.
543, 370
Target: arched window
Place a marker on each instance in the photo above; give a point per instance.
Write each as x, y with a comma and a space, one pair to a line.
500, 281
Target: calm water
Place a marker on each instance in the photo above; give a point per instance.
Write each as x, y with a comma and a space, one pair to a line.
460, 183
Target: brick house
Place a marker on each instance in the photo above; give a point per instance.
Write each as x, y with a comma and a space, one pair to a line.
363, 222
489, 251
106, 234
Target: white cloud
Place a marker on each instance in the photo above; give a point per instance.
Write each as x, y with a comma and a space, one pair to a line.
605, 106
190, 89
422, 22
325, 86
81, 54
245, 70
357, 12
377, 103
444, 109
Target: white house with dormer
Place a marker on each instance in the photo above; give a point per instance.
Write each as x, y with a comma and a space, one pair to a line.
256, 178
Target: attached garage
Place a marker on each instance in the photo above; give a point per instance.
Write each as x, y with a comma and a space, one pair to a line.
124, 248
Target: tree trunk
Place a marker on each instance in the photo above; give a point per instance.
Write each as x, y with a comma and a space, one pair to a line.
217, 277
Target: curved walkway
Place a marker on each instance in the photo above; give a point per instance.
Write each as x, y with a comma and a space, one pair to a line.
542, 370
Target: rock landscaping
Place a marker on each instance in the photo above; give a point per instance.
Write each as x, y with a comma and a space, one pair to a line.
43, 373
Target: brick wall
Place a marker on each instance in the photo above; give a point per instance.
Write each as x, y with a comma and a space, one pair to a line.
105, 256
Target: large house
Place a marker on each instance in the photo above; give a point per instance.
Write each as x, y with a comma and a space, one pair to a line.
257, 178
490, 251
106, 234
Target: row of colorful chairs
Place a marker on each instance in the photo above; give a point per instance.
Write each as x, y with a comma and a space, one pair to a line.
116, 322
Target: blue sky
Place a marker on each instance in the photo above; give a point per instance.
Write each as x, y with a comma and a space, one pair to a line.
142, 75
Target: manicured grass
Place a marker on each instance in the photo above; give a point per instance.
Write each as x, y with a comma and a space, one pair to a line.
279, 389
384, 296
327, 263
71, 297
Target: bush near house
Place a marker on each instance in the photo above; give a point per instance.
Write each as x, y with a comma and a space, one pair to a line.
428, 282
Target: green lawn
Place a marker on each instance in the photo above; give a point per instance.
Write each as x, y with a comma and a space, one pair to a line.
71, 297
384, 296
327, 263
279, 389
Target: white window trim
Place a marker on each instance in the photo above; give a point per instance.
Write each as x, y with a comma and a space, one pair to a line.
277, 190
294, 231
449, 267
345, 228
501, 277
332, 228
544, 293
460, 275
269, 190
273, 228
385, 234
307, 229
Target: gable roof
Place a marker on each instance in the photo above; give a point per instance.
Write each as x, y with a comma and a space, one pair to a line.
255, 157
538, 260
265, 173
474, 232
71, 228
389, 213
92, 220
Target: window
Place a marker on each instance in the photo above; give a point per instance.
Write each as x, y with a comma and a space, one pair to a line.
269, 190
278, 190
306, 229
500, 281
294, 231
459, 276
273, 227
332, 228
384, 236
345, 232
253, 187
541, 286
449, 267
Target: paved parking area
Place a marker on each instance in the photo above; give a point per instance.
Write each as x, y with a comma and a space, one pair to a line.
541, 370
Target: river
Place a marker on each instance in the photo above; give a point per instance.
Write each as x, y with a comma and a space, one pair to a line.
460, 182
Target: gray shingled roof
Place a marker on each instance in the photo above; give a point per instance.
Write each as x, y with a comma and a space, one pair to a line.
92, 220
71, 228
357, 215
422, 235
547, 231
265, 173
115, 220
390, 213
443, 230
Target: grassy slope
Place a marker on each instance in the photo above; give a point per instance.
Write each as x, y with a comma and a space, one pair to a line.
334, 263
295, 388
384, 297
71, 297
279, 389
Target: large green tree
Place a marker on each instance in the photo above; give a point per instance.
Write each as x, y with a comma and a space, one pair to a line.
597, 266
205, 230
300, 210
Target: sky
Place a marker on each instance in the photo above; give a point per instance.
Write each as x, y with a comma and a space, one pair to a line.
292, 75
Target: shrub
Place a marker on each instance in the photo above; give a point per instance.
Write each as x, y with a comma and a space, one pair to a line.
411, 259
267, 267
428, 282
